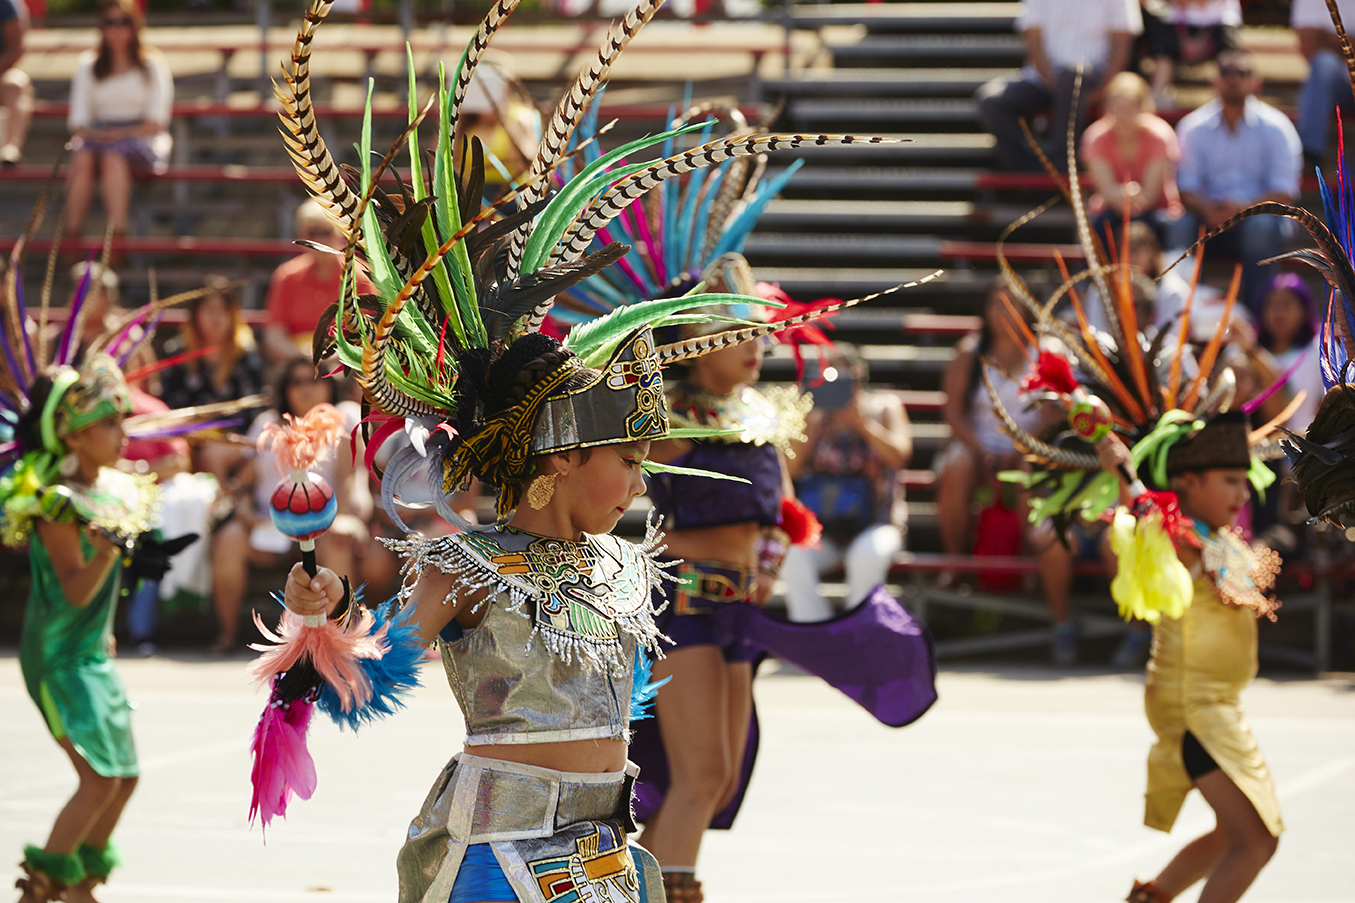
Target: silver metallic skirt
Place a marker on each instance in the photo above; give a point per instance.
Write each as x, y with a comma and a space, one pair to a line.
559, 836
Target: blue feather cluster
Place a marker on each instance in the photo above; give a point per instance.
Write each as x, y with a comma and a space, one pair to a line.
1339, 212
675, 253
392, 676
642, 689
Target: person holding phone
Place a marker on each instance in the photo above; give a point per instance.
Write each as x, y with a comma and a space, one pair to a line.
846, 472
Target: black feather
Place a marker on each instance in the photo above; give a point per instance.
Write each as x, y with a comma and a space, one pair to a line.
506, 305
472, 183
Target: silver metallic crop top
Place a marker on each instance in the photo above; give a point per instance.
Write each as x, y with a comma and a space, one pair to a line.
553, 658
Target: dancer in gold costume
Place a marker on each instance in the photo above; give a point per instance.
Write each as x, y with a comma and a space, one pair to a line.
1181, 560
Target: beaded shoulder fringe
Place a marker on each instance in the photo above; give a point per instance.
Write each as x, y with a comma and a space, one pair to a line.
635, 570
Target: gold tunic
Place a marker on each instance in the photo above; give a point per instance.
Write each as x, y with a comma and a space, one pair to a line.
1198, 667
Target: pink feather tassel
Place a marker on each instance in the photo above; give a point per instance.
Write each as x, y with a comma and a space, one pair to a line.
332, 649
282, 764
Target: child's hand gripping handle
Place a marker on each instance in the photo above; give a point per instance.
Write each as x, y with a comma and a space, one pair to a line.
1115, 458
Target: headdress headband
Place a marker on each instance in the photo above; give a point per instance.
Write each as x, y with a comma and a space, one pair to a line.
61, 381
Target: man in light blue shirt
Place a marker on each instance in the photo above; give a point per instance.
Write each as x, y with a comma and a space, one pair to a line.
1237, 151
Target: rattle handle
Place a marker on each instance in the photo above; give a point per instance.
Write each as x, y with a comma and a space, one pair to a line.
308, 562
308, 557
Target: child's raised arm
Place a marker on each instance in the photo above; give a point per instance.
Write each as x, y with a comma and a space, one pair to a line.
307, 595
1115, 459
80, 579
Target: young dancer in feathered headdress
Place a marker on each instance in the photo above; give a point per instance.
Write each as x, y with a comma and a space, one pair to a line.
63, 423
727, 540
1176, 459
545, 620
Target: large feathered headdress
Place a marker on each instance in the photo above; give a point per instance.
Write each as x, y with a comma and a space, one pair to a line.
448, 351
1324, 458
1118, 379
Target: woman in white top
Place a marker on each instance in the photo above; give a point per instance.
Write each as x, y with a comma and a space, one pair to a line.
121, 96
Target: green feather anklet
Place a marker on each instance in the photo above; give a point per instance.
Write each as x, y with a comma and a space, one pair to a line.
99, 862
63, 868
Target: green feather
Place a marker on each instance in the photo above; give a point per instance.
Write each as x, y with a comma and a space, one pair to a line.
384, 277
465, 310
415, 164
655, 467
443, 282
566, 204
594, 341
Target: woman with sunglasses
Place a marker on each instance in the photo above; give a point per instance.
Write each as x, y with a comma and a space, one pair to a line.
121, 97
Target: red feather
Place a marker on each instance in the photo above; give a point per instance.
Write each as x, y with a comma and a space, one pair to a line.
1052, 373
1167, 506
798, 336
800, 524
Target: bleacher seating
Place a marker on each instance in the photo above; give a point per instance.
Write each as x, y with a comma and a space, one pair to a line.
854, 220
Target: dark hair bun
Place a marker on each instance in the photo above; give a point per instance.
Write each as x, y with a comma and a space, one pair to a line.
526, 362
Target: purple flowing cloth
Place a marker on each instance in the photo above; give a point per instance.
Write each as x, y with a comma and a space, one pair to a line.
876, 654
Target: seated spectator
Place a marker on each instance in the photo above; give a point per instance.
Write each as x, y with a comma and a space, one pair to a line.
231, 368
1328, 82
1237, 151
121, 98
16, 88
1187, 31
846, 472
249, 539
1289, 332
1059, 35
1131, 156
979, 449
304, 286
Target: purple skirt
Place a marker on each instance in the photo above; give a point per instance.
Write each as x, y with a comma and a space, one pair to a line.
143, 154
876, 654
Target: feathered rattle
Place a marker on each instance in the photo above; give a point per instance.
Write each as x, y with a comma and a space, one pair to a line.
309, 651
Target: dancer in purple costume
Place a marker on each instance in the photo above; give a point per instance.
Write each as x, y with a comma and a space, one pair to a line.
697, 756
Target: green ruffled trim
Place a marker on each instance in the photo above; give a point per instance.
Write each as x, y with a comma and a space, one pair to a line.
99, 863
64, 868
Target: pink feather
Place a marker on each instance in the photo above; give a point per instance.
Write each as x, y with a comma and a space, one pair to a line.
333, 651
282, 764
301, 441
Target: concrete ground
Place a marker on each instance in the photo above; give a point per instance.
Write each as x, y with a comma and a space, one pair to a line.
1022, 784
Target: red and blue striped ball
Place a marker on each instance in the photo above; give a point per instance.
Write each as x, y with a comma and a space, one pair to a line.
303, 510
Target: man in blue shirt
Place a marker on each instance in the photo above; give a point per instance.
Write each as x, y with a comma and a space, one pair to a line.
1235, 152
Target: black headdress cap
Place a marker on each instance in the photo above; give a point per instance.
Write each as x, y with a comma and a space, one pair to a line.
1221, 444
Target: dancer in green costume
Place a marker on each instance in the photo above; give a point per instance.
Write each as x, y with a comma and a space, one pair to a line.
62, 430
77, 515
